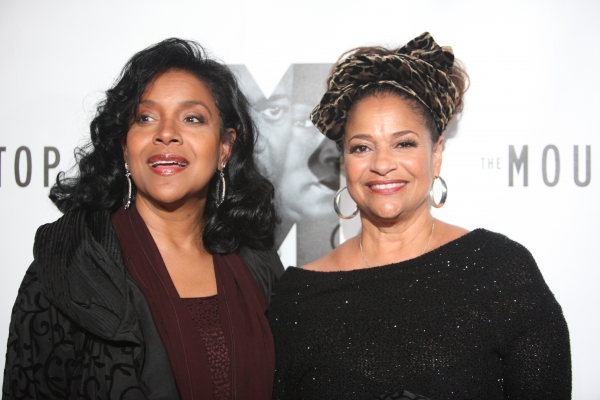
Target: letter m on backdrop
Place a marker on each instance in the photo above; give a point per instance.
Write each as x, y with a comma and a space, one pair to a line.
516, 163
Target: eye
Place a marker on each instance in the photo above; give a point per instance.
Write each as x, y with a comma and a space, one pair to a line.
144, 118
273, 110
195, 119
360, 148
302, 123
272, 114
407, 144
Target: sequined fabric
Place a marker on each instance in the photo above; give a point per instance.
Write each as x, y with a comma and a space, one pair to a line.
205, 314
472, 319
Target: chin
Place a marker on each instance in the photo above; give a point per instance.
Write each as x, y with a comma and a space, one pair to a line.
386, 213
168, 200
388, 217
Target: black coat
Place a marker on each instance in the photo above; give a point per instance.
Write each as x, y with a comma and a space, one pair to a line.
81, 328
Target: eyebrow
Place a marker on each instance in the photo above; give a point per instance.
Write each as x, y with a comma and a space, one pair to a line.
395, 134
185, 103
263, 102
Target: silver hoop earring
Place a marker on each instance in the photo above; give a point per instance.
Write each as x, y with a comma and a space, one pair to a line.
444, 193
336, 205
129, 185
220, 187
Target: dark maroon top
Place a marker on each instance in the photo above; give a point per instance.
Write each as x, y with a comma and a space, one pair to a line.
205, 314
241, 310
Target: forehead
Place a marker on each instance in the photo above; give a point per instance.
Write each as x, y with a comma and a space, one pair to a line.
383, 115
178, 85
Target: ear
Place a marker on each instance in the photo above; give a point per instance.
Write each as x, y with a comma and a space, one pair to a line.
124, 148
227, 145
343, 160
437, 156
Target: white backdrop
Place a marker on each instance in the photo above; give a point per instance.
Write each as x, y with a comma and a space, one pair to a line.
533, 68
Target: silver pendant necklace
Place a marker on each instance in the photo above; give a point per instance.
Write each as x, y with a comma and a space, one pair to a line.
423, 252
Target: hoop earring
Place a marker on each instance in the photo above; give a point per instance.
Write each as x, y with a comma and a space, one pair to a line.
336, 205
220, 187
129, 185
444, 193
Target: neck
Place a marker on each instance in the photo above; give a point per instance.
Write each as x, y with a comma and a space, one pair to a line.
397, 242
179, 226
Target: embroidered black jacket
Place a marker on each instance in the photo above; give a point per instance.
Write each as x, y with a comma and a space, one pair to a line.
81, 328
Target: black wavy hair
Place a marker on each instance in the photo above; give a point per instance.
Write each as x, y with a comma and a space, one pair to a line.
247, 217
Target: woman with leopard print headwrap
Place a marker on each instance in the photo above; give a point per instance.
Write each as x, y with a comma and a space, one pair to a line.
411, 303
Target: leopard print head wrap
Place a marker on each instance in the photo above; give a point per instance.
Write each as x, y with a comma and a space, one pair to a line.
420, 68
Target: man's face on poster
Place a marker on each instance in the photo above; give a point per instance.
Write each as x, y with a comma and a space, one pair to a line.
312, 168
302, 164
273, 119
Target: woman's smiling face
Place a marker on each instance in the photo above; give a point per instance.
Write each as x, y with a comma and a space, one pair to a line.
174, 145
389, 158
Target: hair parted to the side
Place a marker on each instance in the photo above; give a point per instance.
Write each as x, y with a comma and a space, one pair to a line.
247, 216
457, 73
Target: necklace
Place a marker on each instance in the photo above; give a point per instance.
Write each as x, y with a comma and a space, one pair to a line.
423, 252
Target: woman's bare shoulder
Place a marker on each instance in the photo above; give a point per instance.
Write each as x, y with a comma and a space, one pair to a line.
448, 233
331, 261
323, 264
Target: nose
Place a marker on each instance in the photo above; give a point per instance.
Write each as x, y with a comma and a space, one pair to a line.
329, 153
383, 162
324, 164
167, 132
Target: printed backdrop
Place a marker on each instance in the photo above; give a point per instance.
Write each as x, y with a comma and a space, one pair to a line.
521, 160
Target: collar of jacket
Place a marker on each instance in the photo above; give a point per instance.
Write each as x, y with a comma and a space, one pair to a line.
81, 272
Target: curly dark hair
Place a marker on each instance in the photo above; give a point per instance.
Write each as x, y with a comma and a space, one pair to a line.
247, 217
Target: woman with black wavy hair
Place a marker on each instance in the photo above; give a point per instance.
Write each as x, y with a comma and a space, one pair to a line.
154, 283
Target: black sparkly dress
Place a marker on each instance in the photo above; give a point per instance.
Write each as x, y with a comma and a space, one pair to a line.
472, 319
